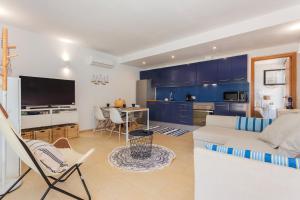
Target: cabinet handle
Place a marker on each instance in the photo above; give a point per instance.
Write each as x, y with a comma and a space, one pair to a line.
224, 80
239, 79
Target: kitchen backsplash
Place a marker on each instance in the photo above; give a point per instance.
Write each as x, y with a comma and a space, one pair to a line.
203, 94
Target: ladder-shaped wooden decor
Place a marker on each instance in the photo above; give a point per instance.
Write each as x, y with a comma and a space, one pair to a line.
5, 61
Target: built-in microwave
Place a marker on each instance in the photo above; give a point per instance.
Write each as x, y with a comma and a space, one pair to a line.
235, 96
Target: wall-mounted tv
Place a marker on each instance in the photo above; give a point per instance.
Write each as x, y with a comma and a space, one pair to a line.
36, 91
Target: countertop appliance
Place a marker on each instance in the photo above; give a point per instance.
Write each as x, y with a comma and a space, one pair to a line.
200, 111
235, 96
190, 97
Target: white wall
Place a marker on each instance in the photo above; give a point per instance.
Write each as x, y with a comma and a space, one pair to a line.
277, 50
40, 55
276, 92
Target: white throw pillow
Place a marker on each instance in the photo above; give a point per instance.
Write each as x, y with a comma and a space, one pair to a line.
291, 145
50, 157
280, 129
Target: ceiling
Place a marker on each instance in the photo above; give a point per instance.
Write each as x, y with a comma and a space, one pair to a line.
123, 28
238, 44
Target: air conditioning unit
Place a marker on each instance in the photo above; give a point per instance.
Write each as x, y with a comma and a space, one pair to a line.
101, 63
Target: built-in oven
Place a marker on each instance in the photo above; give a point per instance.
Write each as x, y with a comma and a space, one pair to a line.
200, 111
235, 96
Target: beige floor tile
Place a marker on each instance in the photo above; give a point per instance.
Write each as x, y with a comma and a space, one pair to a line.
175, 182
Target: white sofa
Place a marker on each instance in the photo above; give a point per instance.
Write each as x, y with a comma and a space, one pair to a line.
226, 177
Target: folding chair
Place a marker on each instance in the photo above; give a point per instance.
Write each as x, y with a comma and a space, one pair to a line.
74, 159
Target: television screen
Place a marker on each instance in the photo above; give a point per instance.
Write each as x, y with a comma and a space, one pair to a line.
46, 91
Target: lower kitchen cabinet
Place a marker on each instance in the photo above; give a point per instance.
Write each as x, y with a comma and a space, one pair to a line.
231, 109
182, 112
221, 109
172, 112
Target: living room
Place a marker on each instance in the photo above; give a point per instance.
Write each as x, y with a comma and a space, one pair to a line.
99, 78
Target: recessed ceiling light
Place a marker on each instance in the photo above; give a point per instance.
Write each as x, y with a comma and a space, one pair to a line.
173, 57
144, 62
214, 48
4, 12
295, 27
66, 40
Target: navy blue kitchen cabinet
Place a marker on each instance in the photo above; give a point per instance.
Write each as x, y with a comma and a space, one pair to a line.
182, 75
222, 108
183, 113
207, 71
233, 69
172, 112
227, 70
230, 109
153, 108
238, 67
224, 71
145, 75
186, 75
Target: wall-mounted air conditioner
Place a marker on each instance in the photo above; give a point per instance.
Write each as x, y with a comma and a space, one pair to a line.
101, 62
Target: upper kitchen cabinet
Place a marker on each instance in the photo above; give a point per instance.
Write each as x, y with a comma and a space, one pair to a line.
182, 75
153, 75
224, 71
238, 66
145, 75
207, 71
233, 69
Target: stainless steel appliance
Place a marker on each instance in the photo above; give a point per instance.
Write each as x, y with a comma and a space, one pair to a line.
200, 111
144, 92
235, 96
190, 97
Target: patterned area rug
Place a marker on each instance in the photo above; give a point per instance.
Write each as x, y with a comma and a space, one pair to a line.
168, 130
160, 157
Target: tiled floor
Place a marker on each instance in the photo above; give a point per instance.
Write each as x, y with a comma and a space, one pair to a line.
175, 182
179, 126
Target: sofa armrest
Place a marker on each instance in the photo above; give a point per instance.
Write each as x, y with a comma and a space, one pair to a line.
221, 121
221, 176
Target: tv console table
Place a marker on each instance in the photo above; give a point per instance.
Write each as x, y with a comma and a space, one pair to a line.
46, 117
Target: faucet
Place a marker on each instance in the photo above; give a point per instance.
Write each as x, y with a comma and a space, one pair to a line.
171, 96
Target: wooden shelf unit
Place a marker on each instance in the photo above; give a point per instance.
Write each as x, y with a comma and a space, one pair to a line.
49, 124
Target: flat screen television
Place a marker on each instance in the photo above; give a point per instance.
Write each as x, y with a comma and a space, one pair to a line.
37, 91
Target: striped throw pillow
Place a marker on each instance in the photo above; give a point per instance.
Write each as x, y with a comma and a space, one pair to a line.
260, 156
252, 124
51, 158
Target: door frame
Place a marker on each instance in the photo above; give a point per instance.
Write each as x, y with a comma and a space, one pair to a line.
292, 75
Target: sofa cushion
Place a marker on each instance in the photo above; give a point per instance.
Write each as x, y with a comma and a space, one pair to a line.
291, 145
255, 155
49, 156
252, 124
251, 143
280, 129
220, 135
221, 121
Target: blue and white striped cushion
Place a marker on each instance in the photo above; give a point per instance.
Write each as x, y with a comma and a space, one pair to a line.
252, 124
260, 156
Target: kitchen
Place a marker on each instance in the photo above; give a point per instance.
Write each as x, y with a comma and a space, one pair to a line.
185, 94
